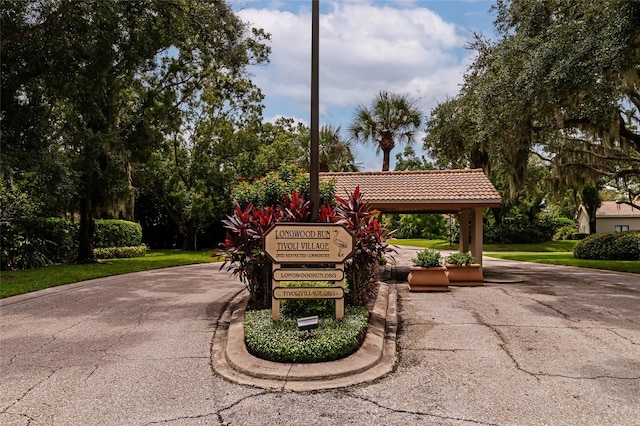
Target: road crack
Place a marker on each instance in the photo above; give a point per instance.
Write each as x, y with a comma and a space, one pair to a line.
416, 412
621, 336
25, 393
230, 406
503, 345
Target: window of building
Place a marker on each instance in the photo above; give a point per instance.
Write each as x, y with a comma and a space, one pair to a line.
620, 228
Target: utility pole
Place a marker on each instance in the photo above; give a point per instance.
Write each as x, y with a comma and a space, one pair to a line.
314, 177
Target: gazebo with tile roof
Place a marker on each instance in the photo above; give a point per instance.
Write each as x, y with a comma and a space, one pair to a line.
465, 192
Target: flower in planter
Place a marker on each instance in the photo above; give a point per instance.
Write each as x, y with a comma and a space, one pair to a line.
463, 271
465, 258
427, 258
428, 274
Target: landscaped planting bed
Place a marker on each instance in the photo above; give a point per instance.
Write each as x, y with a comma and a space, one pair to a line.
281, 341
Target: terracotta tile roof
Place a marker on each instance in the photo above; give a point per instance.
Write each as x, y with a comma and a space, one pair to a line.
430, 187
611, 208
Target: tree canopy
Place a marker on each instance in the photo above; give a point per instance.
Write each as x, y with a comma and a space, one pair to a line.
562, 83
107, 82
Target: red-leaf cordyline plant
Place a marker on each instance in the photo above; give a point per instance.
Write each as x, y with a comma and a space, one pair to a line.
243, 247
370, 235
243, 251
293, 209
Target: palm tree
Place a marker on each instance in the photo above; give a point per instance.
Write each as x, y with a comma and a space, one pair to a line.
334, 153
391, 117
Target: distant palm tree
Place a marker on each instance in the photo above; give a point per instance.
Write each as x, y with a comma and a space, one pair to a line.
334, 152
391, 117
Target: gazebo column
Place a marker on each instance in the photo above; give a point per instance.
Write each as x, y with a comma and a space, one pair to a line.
464, 231
476, 235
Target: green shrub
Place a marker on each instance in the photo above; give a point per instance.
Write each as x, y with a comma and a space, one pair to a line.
281, 341
117, 233
578, 236
427, 258
460, 259
297, 308
272, 188
565, 232
429, 226
21, 251
628, 246
20, 246
62, 238
610, 246
120, 252
519, 230
559, 222
30, 242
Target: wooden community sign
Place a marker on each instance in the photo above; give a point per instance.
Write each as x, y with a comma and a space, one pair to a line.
296, 250
308, 243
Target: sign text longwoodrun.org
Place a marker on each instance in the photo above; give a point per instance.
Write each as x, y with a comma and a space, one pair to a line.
303, 274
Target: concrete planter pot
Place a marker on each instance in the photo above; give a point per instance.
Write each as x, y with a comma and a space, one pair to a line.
428, 279
465, 275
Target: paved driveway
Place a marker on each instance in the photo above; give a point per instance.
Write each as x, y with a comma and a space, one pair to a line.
561, 348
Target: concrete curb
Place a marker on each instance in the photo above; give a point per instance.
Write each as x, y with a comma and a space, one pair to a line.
375, 358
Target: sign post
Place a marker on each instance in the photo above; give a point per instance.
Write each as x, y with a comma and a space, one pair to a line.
297, 249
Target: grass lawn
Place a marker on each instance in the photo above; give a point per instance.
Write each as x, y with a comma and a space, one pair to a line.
18, 282
568, 260
551, 253
550, 246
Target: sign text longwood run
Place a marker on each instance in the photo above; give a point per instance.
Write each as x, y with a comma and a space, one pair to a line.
308, 243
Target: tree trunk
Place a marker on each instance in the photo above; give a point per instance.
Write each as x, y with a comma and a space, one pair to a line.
386, 155
188, 241
130, 203
87, 225
386, 145
591, 210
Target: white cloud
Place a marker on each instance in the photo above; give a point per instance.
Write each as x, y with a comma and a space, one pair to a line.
364, 48
274, 118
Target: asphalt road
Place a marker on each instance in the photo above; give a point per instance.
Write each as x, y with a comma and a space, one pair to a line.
562, 347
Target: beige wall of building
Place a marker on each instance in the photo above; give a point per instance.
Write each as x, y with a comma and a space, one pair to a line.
610, 217
608, 224
583, 221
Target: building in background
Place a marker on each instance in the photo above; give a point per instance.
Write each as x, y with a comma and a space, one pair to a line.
611, 216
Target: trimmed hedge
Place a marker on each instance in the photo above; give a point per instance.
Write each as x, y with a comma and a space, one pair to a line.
62, 236
610, 246
120, 252
117, 233
36, 242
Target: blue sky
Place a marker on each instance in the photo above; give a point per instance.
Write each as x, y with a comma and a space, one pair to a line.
414, 47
